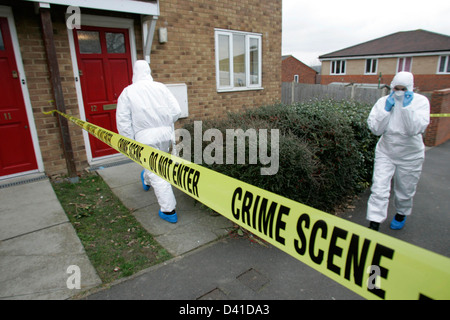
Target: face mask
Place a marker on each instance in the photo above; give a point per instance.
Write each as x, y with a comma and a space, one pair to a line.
399, 94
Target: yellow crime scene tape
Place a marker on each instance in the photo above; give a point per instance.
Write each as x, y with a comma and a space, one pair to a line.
371, 264
440, 115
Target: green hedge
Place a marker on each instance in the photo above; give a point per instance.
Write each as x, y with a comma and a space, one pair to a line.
325, 150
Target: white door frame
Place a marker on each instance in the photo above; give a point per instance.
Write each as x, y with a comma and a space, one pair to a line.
6, 12
106, 22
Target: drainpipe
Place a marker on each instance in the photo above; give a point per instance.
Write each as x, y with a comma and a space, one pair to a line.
148, 31
52, 61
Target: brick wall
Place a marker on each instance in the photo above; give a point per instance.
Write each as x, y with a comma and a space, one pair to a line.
34, 58
438, 130
291, 67
188, 57
432, 82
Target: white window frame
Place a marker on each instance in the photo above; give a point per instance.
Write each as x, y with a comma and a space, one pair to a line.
248, 37
296, 77
371, 62
446, 65
333, 67
403, 64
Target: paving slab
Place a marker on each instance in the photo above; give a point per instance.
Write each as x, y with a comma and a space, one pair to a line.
38, 244
27, 208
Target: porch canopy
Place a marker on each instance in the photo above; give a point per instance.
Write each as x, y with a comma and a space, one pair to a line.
143, 7
147, 9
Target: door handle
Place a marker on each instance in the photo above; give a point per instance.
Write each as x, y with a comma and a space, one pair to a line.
14, 74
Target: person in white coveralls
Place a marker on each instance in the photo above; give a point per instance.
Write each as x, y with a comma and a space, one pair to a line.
146, 112
400, 119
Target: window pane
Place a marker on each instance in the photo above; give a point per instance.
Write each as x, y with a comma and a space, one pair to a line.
239, 61
407, 64
115, 42
374, 65
224, 61
254, 61
368, 65
400, 64
2, 45
448, 64
442, 64
343, 67
89, 41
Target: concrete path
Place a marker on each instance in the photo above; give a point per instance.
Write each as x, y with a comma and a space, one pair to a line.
196, 226
38, 244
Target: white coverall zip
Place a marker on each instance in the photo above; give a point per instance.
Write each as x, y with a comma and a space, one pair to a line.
400, 152
146, 112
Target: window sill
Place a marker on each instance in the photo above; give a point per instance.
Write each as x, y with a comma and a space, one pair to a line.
239, 89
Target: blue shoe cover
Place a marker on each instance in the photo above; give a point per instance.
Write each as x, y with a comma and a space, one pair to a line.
172, 218
144, 186
397, 225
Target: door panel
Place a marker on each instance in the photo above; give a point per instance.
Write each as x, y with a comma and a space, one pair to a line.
13, 155
94, 76
104, 63
103, 120
16, 146
119, 68
7, 84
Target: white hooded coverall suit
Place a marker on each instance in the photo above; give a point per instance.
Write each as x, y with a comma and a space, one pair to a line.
400, 151
146, 112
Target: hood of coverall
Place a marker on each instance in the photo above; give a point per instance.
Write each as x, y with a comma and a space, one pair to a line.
141, 71
405, 79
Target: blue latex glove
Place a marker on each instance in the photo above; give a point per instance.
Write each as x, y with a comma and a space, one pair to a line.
389, 102
409, 96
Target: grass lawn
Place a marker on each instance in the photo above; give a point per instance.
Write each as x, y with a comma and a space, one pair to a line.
115, 242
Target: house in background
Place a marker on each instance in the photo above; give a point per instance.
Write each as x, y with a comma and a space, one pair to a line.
425, 54
293, 70
78, 55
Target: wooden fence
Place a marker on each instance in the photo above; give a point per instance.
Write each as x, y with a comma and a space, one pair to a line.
301, 92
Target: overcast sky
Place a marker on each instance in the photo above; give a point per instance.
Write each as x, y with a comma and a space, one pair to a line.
312, 28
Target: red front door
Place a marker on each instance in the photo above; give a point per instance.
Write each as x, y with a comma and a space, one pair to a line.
16, 146
104, 64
